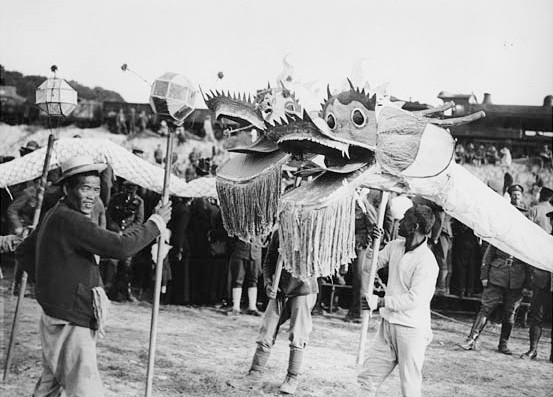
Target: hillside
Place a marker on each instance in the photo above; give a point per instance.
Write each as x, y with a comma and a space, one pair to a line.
26, 87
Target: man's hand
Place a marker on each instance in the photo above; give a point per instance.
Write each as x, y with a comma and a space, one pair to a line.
270, 291
373, 301
164, 210
484, 283
377, 232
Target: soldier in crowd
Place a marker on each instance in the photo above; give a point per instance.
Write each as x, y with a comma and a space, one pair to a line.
505, 279
125, 211
293, 299
541, 214
516, 195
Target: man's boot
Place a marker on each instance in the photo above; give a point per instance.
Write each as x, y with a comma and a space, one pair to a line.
259, 361
471, 343
534, 333
506, 329
290, 384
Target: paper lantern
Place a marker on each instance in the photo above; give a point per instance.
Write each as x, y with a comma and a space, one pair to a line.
173, 95
56, 98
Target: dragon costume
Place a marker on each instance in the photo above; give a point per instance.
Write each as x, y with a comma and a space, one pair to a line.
364, 141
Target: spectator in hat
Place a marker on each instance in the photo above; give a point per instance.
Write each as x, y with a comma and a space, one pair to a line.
61, 255
29, 148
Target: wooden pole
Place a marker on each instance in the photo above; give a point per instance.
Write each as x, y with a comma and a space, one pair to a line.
159, 268
374, 262
23, 283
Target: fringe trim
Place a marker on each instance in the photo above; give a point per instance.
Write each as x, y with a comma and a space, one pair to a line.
316, 241
249, 209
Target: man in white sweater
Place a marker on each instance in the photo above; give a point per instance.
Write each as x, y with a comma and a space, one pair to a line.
404, 331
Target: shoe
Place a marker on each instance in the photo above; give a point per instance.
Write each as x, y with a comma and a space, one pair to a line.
356, 319
254, 375
290, 385
531, 354
233, 313
318, 311
470, 344
502, 348
254, 312
132, 298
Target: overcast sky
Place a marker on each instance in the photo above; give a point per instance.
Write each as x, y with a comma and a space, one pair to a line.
504, 47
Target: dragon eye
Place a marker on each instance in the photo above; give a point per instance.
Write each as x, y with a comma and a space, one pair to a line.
358, 118
289, 107
331, 121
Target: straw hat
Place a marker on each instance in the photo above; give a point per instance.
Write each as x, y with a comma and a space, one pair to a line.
78, 165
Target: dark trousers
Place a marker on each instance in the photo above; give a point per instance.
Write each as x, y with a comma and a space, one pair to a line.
358, 283
492, 297
244, 272
537, 306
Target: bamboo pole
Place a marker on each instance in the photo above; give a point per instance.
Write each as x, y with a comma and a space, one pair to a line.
159, 268
23, 283
374, 262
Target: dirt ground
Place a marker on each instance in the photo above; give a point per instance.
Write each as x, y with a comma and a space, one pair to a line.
203, 352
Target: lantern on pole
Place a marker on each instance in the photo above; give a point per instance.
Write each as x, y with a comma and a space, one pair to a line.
173, 96
55, 96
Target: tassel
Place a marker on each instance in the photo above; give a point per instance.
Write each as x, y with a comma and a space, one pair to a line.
315, 241
249, 209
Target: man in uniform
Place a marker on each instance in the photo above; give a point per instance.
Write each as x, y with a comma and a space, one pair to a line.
541, 279
125, 211
61, 254
505, 279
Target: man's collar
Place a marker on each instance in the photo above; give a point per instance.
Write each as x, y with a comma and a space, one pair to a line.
416, 246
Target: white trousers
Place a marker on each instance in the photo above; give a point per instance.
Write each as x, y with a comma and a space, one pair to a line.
395, 345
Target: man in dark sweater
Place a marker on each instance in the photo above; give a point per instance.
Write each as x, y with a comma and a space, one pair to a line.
62, 255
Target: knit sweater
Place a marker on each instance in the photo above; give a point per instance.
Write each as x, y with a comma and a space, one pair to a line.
60, 256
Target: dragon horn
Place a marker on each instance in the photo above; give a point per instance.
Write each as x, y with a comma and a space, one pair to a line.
442, 108
444, 123
350, 84
328, 91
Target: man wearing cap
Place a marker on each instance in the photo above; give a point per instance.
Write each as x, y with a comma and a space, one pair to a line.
61, 256
541, 279
29, 148
125, 211
515, 193
505, 279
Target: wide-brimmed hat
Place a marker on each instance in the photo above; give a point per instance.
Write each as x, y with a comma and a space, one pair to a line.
30, 147
78, 165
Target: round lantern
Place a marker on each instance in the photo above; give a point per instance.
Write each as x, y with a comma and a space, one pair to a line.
56, 98
173, 95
